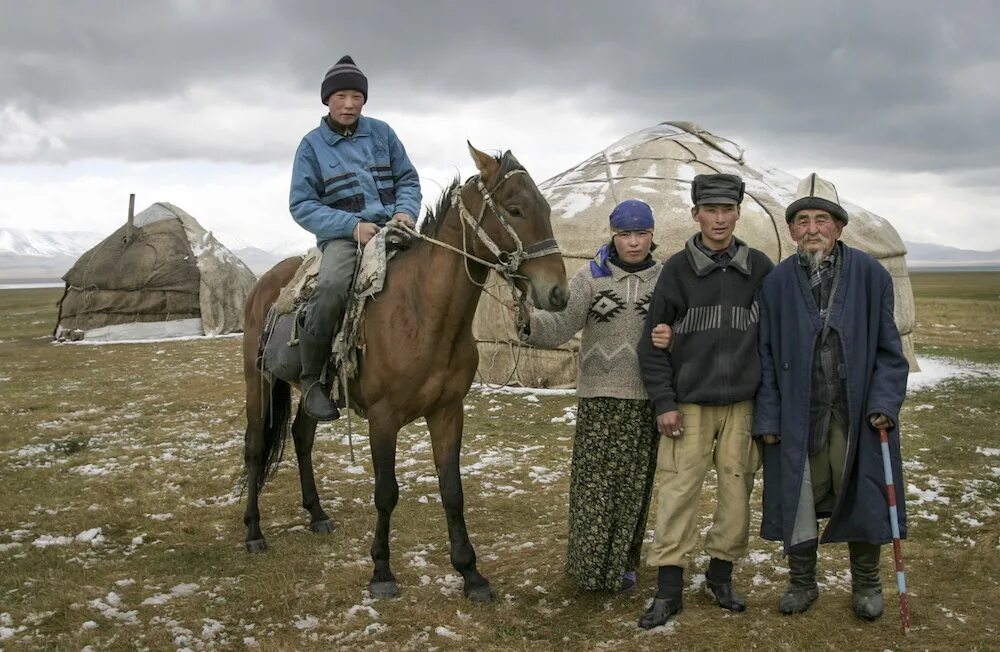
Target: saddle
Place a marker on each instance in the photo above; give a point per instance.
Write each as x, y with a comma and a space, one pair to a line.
278, 355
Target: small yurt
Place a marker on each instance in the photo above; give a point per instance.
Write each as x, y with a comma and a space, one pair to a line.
657, 165
163, 276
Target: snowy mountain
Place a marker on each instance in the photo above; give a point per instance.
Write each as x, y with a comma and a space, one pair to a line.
28, 255
27, 242
925, 254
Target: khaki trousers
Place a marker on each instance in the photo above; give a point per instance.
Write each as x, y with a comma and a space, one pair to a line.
826, 468
716, 435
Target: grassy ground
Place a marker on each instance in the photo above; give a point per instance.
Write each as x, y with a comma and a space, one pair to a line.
958, 314
119, 528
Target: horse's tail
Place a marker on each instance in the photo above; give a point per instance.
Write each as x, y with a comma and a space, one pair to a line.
274, 431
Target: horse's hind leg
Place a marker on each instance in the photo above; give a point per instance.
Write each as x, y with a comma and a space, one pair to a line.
258, 399
383, 435
446, 436
303, 434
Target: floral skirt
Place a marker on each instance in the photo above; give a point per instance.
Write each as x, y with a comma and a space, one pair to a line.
614, 461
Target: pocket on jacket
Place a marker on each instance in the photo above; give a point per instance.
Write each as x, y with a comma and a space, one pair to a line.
351, 203
387, 196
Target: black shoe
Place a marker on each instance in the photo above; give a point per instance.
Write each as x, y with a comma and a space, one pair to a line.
802, 590
317, 404
314, 352
866, 586
660, 611
723, 593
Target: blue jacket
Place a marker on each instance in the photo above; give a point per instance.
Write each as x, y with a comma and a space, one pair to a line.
875, 373
340, 181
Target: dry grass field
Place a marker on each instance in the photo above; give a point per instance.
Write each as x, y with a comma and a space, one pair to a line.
119, 527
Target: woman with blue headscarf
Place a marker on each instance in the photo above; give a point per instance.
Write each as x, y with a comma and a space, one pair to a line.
614, 448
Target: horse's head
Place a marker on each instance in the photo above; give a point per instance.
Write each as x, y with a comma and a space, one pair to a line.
514, 216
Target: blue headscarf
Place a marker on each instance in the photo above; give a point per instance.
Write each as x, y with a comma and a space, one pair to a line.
630, 215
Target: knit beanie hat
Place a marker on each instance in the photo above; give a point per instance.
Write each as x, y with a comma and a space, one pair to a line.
815, 192
343, 76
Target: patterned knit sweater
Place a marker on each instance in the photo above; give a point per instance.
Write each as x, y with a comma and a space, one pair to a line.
611, 311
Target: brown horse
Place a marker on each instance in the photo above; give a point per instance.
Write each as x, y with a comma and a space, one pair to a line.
420, 356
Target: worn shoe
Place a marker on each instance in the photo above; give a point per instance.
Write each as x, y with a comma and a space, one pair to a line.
661, 610
866, 586
629, 583
313, 352
723, 594
802, 589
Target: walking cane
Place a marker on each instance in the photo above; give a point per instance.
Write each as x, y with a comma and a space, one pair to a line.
897, 546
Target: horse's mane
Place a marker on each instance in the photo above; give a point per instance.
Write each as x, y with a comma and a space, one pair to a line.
432, 221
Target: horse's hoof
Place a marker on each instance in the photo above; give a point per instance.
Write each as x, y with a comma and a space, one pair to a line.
323, 527
480, 593
383, 589
257, 546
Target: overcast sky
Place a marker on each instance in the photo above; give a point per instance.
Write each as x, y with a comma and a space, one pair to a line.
202, 103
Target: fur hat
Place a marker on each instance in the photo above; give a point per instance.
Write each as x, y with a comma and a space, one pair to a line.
717, 189
343, 76
816, 192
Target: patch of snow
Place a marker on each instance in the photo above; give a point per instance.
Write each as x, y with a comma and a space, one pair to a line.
92, 536
45, 541
307, 623
441, 630
925, 495
935, 370
161, 517
178, 591
988, 452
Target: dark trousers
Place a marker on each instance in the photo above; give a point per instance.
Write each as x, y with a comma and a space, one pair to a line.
325, 310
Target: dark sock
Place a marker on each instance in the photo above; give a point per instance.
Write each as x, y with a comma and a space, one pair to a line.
720, 571
669, 581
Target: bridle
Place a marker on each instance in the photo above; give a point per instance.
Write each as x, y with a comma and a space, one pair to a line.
507, 262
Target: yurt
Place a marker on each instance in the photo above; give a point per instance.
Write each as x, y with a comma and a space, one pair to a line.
161, 276
657, 165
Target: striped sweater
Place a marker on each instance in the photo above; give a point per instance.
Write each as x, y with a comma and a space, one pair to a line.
712, 309
610, 310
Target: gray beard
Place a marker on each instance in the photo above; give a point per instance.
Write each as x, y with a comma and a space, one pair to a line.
815, 259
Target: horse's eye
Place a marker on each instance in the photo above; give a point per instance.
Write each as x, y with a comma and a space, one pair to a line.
514, 211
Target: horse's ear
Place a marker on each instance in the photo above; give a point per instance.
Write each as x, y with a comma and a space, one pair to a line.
486, 164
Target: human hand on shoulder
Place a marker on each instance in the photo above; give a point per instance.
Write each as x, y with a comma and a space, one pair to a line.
364, 231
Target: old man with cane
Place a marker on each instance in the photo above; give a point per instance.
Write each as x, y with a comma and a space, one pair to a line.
833, 376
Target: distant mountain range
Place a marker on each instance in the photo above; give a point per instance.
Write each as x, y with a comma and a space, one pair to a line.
27, 255
44, 256
924, 254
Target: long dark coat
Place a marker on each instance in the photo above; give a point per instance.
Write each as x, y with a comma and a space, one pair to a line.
861, 311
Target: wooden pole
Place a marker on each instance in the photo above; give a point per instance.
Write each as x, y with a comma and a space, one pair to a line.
131, 218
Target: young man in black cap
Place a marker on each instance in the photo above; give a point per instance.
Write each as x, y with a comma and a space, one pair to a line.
350, 177
702, 389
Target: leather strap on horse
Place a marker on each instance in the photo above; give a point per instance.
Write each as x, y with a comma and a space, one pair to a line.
507, 262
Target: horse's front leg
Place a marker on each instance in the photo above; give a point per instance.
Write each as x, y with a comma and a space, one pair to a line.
303, 434
446, 436
382, 434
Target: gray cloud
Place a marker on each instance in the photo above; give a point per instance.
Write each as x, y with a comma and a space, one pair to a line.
901, 85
